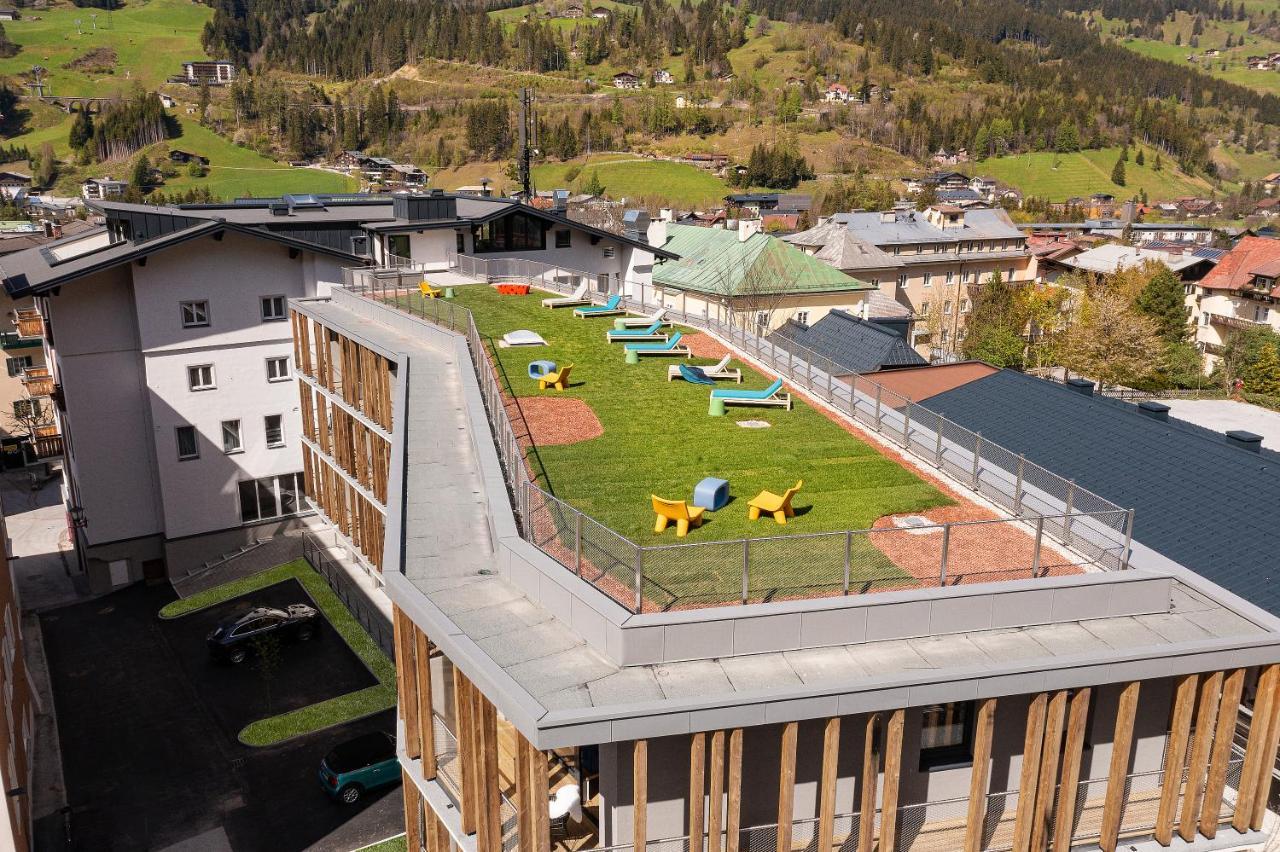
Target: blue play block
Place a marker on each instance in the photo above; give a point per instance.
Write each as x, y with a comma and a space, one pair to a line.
538, 369
711, 493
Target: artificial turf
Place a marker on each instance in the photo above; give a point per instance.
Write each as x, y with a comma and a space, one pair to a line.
658, 439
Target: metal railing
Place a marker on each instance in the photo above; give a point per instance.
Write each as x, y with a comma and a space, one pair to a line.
1089, 530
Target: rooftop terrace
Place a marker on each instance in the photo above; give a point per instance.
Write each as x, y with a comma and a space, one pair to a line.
583, 463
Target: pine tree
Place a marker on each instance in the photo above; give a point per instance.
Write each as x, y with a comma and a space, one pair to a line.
1141, 158
1158, 164
594, 186
1163, 300
1117, 173
140, 176
375, 116
1263, 375
81, 130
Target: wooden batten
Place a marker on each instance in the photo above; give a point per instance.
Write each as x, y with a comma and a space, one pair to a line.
412, 812
733, 806
827, 785
1184, 702
539, 792
1224, 733
868, 781
525, 819
715, 803
1064, 818
892, 779
787, 785
979, 780
406, 674
1265, 774
1032, 745
697, 789
1046, 781
640, 795
1255, 763
1198, 763
466, 749
1121, 752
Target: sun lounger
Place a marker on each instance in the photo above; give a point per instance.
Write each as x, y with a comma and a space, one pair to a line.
642, 322
676, 510
608, 309
579, 297
671, 347
719, 370
692, 375
772, 395
778, 505
653, 332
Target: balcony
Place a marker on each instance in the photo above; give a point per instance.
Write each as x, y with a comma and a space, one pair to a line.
1235, 322
29, 323
38, 381
14, 340
47, 441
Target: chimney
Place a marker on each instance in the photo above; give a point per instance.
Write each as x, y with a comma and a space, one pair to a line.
888, 217
1245, 440
866, 309
658, 233
1081, 386
747, 228
635, 224
666, 215
1155, 410
560, 200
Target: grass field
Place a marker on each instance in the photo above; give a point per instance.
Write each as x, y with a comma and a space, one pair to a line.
150, 38
1061, 176
633, 177
335, 711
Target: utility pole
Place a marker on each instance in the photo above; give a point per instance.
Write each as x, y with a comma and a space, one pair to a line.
528, 141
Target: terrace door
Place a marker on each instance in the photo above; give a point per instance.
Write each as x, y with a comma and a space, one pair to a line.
602, 282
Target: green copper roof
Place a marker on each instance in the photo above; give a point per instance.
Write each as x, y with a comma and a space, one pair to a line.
714, 260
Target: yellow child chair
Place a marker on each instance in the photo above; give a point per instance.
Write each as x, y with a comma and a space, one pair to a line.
429, 292
771, 504
678, 511
559, 379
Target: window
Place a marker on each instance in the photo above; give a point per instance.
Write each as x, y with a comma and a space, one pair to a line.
231, 442
801, 317
875, 282
274, 427
360, 246
188, 445
460, 242
1009, 276
278, 369
946, 308
608, 251
515, 232
563, 238
965, 306
950, 276
946, 336
762, 321
273, 308
195, 314
16, 365
200, 377
902, 280
961, 335
398, 244
924, 308
946, 735
26, 409
928, 279
272, 497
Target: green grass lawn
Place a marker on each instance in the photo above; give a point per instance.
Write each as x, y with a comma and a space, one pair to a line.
151, 39
1060, 176
659, 439
324, 714
635, 177
391, 844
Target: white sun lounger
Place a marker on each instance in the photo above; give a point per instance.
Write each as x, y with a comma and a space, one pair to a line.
645, 322
579, 297
719, 370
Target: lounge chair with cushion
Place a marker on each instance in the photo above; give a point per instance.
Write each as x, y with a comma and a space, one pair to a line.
772, 395
693, 375
676, 510
718, 370
652, 332
778, 505
671, 347
558, 379
579, 297
643, 322
608, 309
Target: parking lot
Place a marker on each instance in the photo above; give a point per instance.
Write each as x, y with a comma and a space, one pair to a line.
148, 728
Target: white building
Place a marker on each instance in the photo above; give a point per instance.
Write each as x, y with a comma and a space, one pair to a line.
1238, 294
102, 189
168, 342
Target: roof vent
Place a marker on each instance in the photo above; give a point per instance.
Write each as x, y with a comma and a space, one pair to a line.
1083, 386
1245, 440
280, 209
888, 217
1155, 410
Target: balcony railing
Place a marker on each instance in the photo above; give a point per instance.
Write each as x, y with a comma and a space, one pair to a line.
14, 340
1090, 530
29, 323
1235, 322
47, 441
38, 381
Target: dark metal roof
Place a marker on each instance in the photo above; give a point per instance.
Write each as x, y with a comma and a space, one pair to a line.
1197, 500
852, 343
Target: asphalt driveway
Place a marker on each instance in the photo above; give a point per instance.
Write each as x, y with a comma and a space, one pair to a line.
150, 762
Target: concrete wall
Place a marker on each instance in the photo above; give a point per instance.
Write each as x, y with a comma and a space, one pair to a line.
669, 761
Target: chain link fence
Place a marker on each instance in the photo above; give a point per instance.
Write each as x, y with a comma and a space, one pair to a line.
1091, 531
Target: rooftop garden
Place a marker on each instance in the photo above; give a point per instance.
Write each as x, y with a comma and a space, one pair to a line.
621, 433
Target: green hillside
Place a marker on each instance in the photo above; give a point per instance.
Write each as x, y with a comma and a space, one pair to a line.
1061, 176
633, 177
145, 43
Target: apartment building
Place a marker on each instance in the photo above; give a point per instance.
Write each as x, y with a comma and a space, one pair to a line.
927, 260
17, 715
167, 352
1239, 293
552, 696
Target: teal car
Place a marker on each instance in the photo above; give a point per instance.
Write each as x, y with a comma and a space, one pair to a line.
360, 765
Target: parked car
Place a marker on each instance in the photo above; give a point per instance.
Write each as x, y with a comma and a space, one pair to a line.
359, 765
232, 640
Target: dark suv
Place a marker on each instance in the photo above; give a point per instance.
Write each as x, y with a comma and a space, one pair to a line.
233, 638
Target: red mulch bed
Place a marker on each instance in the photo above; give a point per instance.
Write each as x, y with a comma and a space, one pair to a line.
704, 345
556, 420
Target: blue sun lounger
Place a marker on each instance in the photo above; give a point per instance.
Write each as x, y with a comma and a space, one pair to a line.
671, 347
653, 332
609, 308
695, 376
769, 396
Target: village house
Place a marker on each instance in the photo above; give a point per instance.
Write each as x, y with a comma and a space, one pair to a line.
101, 189
600, 12
1240, 293
626, 80
213, 72
14, 185
836, 93
663, 77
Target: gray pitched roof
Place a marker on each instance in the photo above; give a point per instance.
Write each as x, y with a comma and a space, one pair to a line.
912, 227
854, 344
1197, 500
